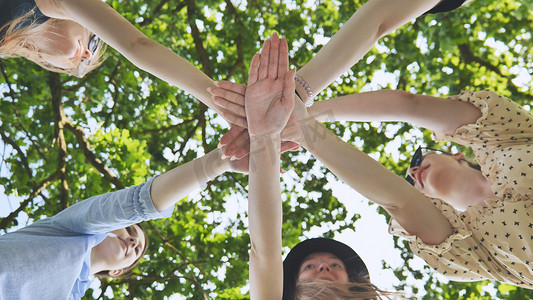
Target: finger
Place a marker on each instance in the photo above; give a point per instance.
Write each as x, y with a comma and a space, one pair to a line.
288, 88
227, 95
263, 65
230, 135
239, 146
289, 146
235, 120
274, 56
230, 107
283, 64
254, 70
231, 86
241, 152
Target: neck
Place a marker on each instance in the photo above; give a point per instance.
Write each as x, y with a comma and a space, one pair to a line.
96, 263
475, 192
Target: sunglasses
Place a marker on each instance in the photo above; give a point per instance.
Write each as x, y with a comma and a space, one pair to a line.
94, 42
416, 160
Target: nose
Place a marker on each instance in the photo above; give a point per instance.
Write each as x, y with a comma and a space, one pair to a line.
133, 242
412, 171
324, 268
86, 54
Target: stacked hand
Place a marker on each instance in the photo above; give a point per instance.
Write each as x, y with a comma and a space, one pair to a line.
270, 82
268, 98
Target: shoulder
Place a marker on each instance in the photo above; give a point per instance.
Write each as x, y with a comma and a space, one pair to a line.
51, 8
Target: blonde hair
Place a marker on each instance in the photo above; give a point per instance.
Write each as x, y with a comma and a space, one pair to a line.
17, 42
334, 290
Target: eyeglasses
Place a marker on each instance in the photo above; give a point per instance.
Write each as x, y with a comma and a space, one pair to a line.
94, 42
416, 160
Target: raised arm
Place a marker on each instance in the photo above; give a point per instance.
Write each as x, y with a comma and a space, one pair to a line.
119, 209
177, 183
146, 54
409, 207
373, 20
438, 114
269, 102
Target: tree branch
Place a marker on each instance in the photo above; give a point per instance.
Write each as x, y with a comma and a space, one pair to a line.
469, 57
59, 116
90, 156
5, 222
198, 43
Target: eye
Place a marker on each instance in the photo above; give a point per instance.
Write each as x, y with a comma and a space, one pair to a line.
128, 229
93, 43
309, 267
336, 265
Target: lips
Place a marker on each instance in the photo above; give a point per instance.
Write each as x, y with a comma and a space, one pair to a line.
325, 276
420, 172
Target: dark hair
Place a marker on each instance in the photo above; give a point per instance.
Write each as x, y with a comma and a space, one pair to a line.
355, 267
126, 272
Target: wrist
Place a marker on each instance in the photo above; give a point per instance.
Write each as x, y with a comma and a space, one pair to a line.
310, 132
210, 166
303, 90
265, 139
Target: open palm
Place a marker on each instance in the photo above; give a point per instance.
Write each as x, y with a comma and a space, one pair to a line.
269, 96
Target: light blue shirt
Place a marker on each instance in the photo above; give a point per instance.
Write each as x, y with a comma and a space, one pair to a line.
50, 258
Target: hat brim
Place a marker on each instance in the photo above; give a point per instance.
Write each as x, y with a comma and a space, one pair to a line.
355, 267
445, 6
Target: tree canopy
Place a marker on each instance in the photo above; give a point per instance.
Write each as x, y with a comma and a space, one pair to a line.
66, 139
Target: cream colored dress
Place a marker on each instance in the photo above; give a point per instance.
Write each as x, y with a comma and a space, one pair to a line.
494, 241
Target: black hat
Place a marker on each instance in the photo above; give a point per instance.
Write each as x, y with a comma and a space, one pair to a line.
355, 267
445, 5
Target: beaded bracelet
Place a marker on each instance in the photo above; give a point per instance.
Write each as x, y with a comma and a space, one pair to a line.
307, 88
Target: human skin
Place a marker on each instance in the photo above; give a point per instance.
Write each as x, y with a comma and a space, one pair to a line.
323, 265
117, 252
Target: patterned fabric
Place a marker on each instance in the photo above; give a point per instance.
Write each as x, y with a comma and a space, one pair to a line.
494, 241
11, 9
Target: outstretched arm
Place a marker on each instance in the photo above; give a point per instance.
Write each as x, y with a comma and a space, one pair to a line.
409, 207
373, 20
146, 54
438, 114
177, 183
269, 102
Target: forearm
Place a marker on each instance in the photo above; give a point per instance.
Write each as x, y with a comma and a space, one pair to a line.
354, 167
172, 68
177, 183
373, 20
265, 218
381, 106
438, 114
264, 204
407, 205
120, 34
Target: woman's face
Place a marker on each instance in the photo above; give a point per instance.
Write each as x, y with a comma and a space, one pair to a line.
323, 265
122, 250
64, 43
439, 175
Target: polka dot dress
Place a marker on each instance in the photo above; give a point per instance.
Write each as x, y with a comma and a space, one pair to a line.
494, 241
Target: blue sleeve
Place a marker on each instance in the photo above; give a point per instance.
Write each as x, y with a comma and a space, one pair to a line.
103, 213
